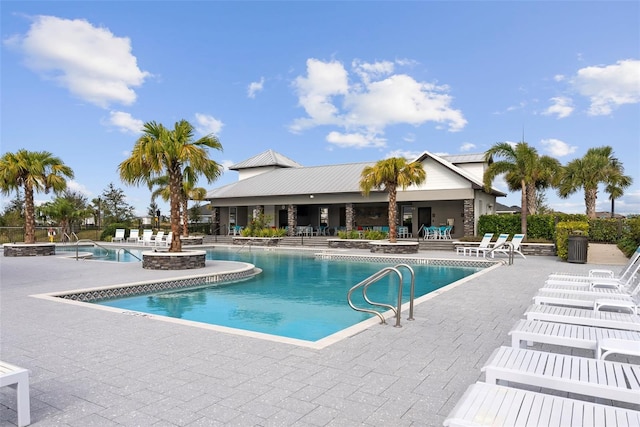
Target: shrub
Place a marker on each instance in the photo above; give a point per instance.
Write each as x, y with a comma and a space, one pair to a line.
564, 230
630, 239
375, 235
110, 230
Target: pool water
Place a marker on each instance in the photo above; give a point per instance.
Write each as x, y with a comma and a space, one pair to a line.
296, 295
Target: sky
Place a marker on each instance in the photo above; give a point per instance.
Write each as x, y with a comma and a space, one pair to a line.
322, 82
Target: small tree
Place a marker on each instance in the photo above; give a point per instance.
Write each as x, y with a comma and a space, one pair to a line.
33, 171
114, 206
389, 174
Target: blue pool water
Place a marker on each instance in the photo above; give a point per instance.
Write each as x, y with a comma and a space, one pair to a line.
296, 295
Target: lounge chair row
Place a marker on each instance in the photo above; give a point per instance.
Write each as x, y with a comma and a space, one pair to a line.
502, 245
147, 238
565, 319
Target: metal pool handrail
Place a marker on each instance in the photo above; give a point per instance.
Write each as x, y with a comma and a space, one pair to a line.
374, 278
88, 241
126, 251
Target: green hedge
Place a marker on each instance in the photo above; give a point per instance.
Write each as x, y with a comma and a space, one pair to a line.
564, 230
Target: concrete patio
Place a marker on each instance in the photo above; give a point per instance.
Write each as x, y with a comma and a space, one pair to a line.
98, 368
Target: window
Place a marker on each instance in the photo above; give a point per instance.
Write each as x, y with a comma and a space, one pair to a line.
407, 216
324, 217
232, 217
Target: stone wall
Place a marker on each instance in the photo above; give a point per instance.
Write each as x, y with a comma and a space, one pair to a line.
348, 243
257, 241
185, 260
394, 248
37, 249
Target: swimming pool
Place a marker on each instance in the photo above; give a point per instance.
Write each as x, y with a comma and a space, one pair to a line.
297, 295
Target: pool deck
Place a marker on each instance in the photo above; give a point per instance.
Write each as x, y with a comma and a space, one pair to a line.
92, 367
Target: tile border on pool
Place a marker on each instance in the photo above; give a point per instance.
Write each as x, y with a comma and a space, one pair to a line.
447, 262
98, 294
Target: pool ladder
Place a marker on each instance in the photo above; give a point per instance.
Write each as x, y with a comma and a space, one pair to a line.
364, 285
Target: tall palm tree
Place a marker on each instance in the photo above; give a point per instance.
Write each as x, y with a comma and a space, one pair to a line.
523, 169
544, 174
389, 174
33, 171
597, 166
161, 151
188, 192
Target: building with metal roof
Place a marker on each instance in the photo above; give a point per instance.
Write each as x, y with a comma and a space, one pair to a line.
329, 196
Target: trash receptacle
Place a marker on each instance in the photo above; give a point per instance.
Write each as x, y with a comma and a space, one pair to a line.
578, 249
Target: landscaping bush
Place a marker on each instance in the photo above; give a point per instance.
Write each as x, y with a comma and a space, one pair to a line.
630, 239
564, 230
110, 230
353, 234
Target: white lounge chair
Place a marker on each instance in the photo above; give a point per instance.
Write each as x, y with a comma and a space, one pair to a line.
590, 377
147, 237
585, 317
499, 242
574, 336
597, 286
626, 281
485, 404
594, 300
157, 241
507, 247
562, 278
134, 236
119, 236
18, 378
609, 346
484, 243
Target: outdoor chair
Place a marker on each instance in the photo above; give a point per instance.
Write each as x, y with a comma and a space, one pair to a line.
584, 317
601, 275
119, 236
508, 407
134, 236
515, 243
484, 243
147, 237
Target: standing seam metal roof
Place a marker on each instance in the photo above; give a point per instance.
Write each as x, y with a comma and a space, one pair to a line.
344, 178
266, 158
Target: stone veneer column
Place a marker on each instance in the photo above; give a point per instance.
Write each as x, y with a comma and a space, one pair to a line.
350, 215
215, 221
257, 210
292, 219
468, 222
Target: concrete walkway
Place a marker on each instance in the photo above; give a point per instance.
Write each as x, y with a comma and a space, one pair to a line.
601, 253
93, 367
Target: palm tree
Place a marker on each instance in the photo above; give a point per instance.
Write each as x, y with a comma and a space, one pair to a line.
33, 171
616, 190
597, 166
544, 174
188, 192
65, 213
524, 170
160, 151
389, 174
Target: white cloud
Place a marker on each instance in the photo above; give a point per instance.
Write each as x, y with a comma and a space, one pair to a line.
90, 62
226, 164
467, 146
125, 122
324, 80
366, 107
368, 71
558, 77
207, 125
78, 188
410, 137
609, 86
407, 154
558, 148
561, 106
355, 140
255, 87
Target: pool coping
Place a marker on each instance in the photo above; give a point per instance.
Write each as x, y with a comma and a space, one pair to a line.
88, 296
